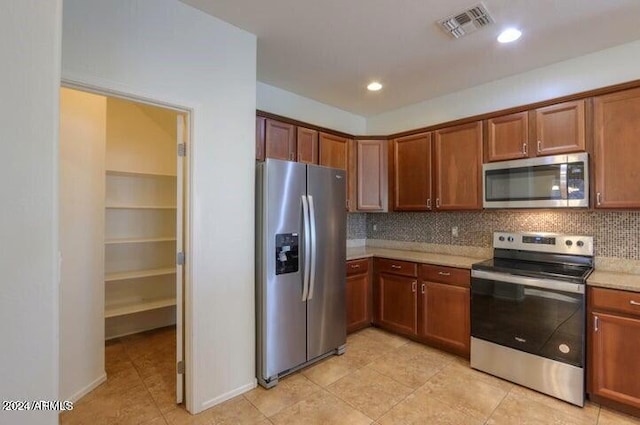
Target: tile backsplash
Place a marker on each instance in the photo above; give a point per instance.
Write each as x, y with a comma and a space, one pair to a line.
616, 234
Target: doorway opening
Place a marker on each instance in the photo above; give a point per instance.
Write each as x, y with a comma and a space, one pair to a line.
123, 163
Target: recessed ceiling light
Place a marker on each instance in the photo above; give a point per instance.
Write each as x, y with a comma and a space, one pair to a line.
509, 35
374, 86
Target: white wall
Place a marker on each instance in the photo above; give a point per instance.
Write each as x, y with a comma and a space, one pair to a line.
81, 196
607, 67
29, 81
281, 102
168, 51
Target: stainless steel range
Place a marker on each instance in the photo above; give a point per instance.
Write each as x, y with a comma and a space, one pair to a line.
528, 312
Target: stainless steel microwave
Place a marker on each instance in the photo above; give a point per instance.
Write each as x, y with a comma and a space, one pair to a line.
559, 181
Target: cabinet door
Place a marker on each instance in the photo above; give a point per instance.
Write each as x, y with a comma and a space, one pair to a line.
560, 128
280, 140
371, 168
397, 303
358, 301
444, 316
335, 151
617, 126
615, 367
458, 167
507, 137
412, 183
307, 145
260, 128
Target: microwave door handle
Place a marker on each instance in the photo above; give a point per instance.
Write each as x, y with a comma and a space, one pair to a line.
564, 192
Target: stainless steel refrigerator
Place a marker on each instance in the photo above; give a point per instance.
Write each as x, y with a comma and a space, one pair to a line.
300, 266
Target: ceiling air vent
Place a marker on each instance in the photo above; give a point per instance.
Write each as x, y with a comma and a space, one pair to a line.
467, 21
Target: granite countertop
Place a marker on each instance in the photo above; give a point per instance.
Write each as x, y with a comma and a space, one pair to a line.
615, 280
415, 256
599, 277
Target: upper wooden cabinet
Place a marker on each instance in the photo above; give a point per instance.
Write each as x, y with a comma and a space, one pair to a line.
411, 173
280, 140
507, 137
307, 145
458, 167
550, 130
371, 177
439, 170
617, 149
337, 152
560, 128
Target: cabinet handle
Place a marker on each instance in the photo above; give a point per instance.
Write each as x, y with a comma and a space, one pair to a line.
437, 202
393, 266
414, 286
291, 156
444, 273
524, 148
632, 302
539, 146
429, 203
595, 323
355, 266
598, 198
422, 288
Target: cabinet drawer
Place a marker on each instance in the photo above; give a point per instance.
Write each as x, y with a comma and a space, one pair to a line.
615, 300
404, 268
442, 274
357, 266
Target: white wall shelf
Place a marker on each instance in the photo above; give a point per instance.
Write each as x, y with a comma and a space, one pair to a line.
137, 307
136, 274
139, 240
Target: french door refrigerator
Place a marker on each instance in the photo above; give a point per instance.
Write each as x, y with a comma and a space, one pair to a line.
300, 266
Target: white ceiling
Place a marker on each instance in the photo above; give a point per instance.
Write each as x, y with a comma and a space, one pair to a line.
328, 50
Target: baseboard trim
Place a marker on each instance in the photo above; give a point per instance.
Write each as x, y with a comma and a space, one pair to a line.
86, 390
227, 396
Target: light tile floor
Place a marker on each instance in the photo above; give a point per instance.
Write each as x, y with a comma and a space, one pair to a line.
382, 379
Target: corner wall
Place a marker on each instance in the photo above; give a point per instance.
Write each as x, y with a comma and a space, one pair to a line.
29, 82
167, 51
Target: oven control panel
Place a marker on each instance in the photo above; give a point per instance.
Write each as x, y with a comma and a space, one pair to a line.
544, 242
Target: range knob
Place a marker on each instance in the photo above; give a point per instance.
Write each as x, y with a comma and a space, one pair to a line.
569, 242
501, 238
510, 238
580, 244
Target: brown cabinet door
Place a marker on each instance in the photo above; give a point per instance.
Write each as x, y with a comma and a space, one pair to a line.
412, 157
458, 167
444, 316
617, 149
371, 168
334, 151
307, 145
507, 137
260, 128
615, 364
396, 303
280, 140
358, 301
560, 128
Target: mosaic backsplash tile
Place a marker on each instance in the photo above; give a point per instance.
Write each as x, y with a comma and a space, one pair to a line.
616, 234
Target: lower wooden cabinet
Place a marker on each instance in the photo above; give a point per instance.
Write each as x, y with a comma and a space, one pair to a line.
430, 305
445, 308
614, 348
358, 295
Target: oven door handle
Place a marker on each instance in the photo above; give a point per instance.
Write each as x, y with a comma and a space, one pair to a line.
574, 288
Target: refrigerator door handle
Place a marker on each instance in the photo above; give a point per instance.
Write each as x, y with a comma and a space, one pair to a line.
312, 220
307, 248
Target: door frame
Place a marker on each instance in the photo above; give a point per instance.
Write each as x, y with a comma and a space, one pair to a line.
188, 111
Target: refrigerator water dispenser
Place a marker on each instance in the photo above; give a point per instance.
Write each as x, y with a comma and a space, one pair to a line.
286, 253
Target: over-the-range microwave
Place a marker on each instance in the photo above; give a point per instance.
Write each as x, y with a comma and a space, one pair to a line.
559, 181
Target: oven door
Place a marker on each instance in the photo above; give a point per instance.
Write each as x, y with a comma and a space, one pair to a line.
539, 316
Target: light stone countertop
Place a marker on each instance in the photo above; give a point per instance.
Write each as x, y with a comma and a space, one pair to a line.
615, 280
415, 256
602, 276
